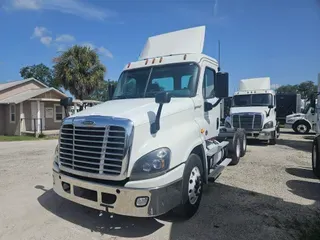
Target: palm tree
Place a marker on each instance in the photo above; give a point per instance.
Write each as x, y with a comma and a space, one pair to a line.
79, 71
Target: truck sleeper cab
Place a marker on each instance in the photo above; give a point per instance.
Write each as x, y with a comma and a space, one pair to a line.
152, 147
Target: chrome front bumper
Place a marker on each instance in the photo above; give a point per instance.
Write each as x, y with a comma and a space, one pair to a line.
263, 135
118, 200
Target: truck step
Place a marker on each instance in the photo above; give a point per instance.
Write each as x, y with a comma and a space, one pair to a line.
216, 171
214, 147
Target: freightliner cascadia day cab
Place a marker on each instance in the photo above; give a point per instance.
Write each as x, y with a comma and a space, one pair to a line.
254, 109
152, 147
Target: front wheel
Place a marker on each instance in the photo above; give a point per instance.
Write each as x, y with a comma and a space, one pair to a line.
273, 140
192, 186
301, 127
315, 159
236, 148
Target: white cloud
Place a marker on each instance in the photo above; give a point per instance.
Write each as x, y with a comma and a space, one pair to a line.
105, 52
40, 32
74, 7
100, 50
46, 40
65, 38
26, 4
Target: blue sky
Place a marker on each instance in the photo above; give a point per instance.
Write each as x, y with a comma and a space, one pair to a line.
275, 38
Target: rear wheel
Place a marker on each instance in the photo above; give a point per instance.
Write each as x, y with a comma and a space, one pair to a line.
236, 148
301, 127
315, 158
191, 187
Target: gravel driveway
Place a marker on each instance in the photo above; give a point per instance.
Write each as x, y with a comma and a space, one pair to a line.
268, 195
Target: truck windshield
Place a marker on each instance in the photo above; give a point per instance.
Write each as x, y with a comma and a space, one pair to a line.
178, 79
252, 100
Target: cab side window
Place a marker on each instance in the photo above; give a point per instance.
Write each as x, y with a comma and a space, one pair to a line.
208, 83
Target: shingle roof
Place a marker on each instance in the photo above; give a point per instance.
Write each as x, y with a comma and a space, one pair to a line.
4, 86
25, 96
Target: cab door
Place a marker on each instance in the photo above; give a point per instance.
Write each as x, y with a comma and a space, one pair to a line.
211, 117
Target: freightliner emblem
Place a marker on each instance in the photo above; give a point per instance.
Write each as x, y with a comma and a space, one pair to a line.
88, 123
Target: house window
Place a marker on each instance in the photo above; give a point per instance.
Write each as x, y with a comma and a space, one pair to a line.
58, 113
12, 113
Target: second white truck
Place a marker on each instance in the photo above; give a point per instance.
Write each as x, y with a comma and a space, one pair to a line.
254, 109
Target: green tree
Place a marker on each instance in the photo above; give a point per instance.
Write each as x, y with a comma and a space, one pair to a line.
305, 89
79, 71
40, 72
287, 89
102, 91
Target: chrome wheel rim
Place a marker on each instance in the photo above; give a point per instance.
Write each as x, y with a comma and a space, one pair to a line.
302, 128
194, 187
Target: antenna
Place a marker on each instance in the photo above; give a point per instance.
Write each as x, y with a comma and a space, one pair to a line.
219, 56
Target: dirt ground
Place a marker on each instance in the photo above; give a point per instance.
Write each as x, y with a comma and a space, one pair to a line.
268, 195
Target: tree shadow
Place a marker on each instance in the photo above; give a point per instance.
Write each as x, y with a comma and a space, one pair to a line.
300, 145
301, 172
225, 213
95, 220
309, 137
228, 212
307, 190
255, 142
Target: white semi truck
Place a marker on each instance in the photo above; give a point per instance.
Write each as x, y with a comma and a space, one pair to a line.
254, 109
303, 122
153, 146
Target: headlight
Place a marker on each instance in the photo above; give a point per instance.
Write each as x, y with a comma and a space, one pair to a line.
227, 124
56, 155
152, 164
268, 125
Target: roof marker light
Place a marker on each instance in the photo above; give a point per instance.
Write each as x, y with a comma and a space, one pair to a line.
153, 61
185, 57
128, 65
146, 62
160, 60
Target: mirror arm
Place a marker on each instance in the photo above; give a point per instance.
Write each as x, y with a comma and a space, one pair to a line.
155, 126
268, 113
217, 102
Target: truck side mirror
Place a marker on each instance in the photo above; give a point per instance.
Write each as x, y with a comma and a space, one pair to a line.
66, 102
270, 106
163, 97
222, 85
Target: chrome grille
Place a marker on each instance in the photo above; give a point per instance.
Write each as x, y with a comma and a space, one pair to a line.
247, 121
95, 150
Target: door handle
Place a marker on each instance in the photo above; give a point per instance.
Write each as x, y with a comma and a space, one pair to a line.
198, 106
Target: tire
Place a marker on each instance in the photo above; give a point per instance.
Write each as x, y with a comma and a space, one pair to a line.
301, 127
193, 172
273, 140
243, 143
315, 158
236, 148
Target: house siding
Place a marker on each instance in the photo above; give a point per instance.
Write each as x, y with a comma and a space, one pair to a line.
19, 89
51, 94
50, 124
2, 120
11, 128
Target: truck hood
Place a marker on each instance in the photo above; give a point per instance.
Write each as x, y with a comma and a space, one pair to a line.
262, 110
140, 111
295, 115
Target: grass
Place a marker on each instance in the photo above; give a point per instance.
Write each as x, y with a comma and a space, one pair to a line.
24, 138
